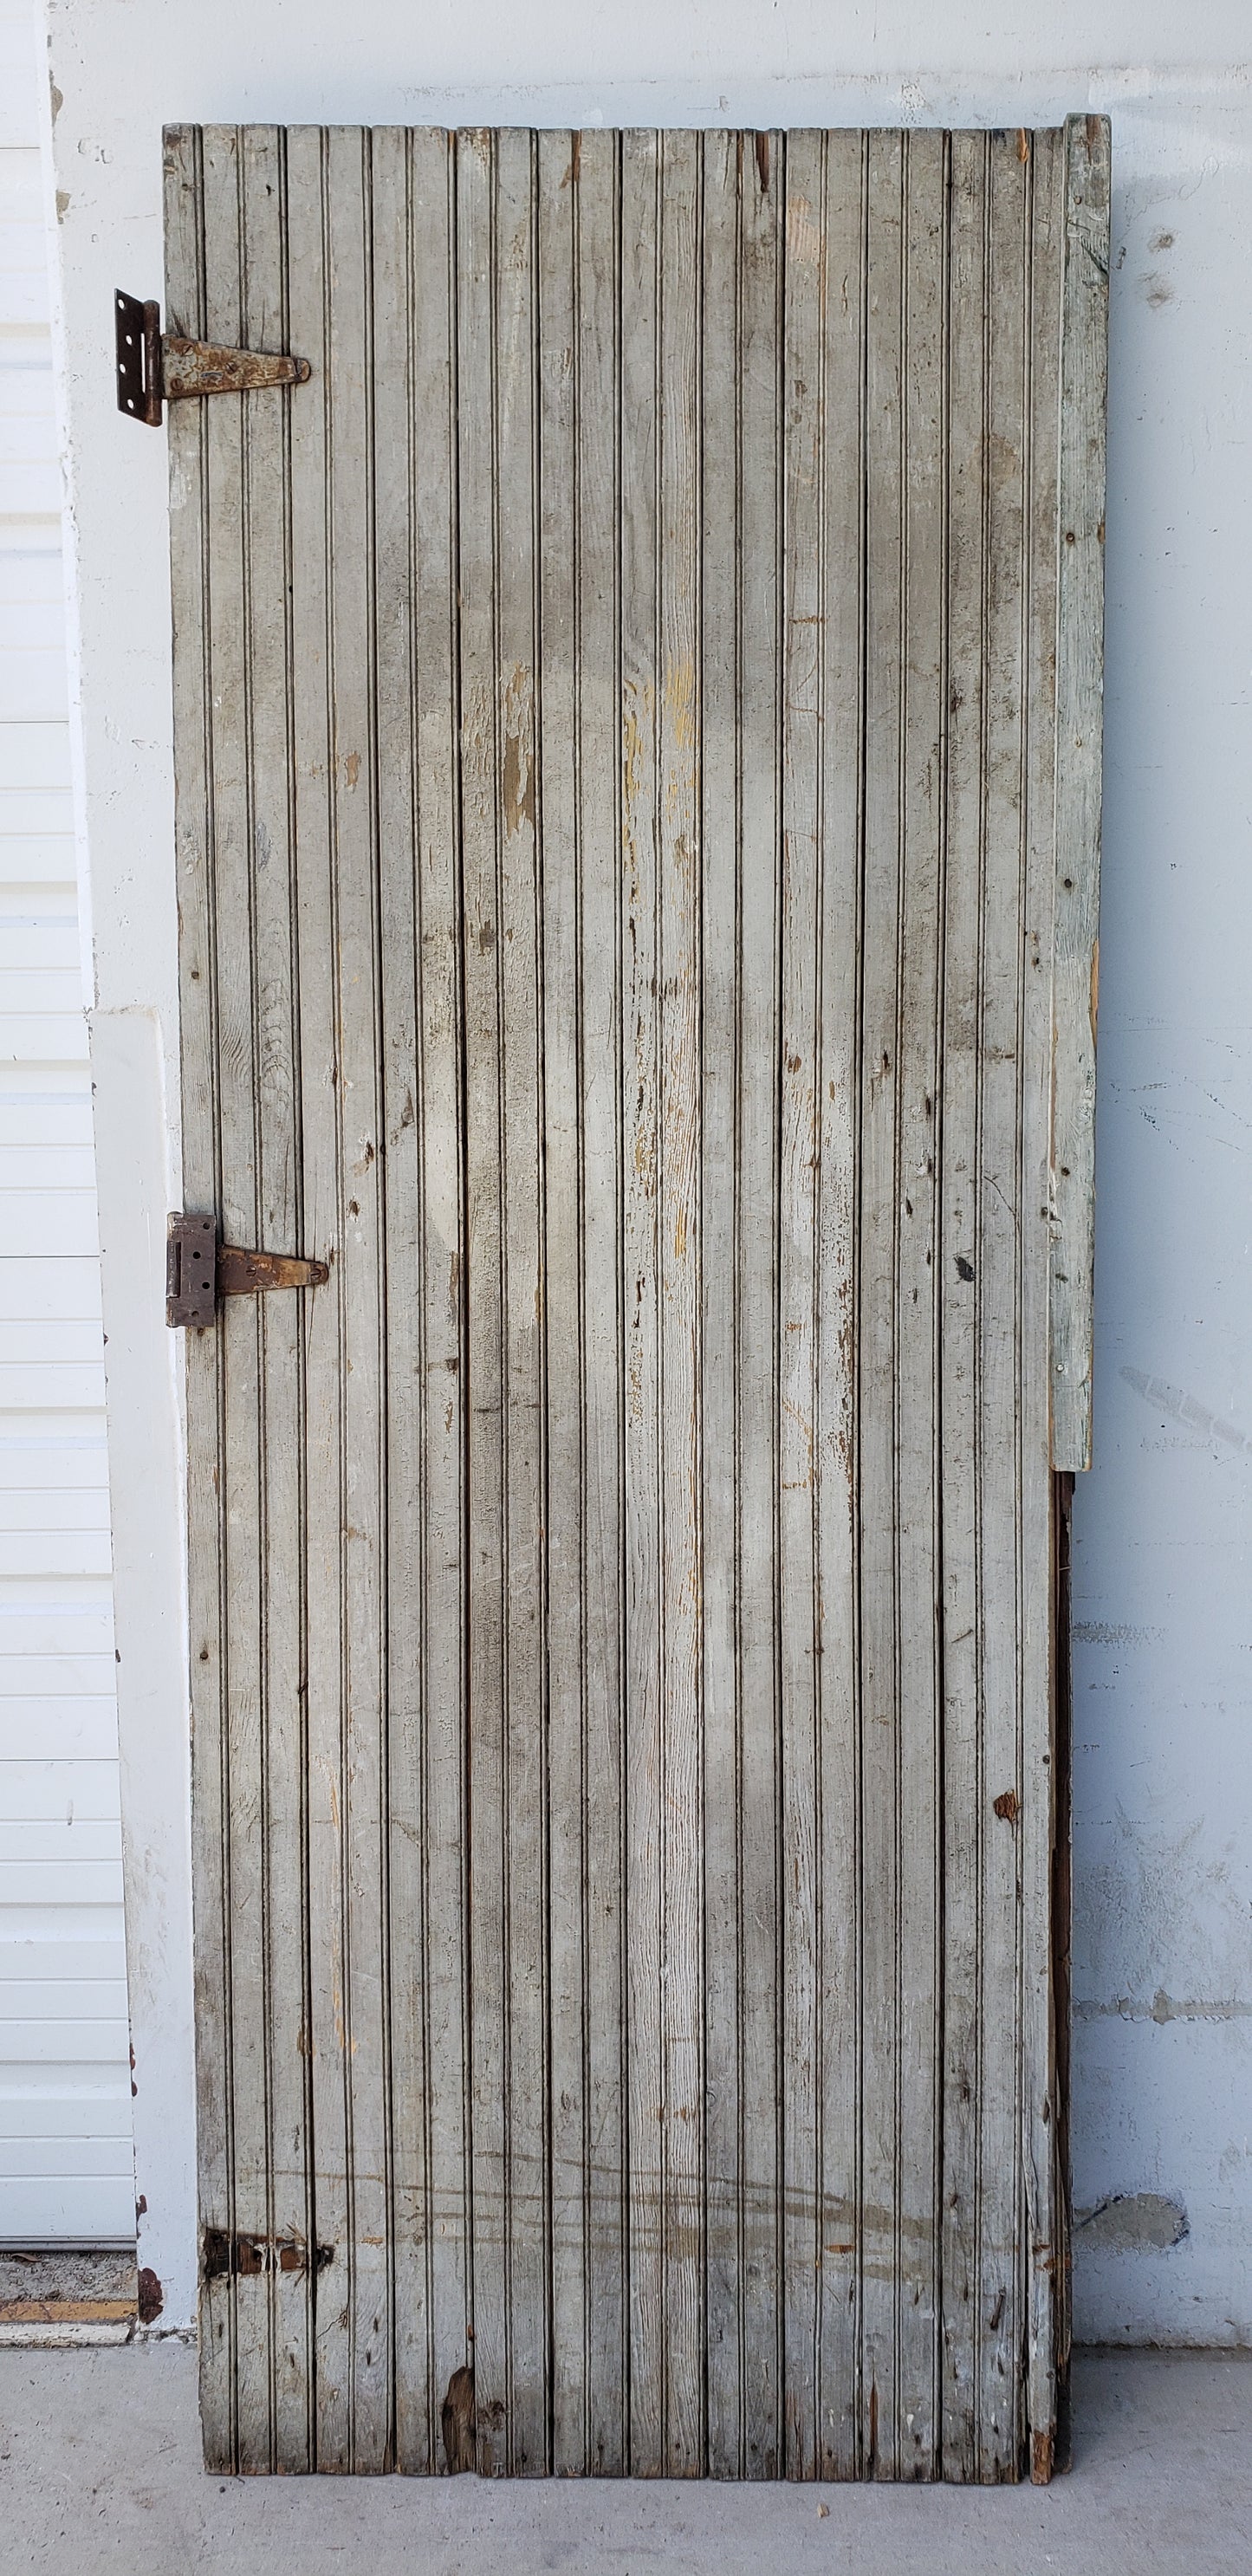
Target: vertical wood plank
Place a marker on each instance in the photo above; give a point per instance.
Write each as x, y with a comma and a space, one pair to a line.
443, 1853
680, 909
313, 432
877, 1322
643, 1689
279, 1323
508, 1678
355, 756
1080, 682
751, 1793
1044, 1814
840, 694
485, 1321
597, 250
801, 172
242, 1424
522, 1073
996, 1291
922, 652
421, 994
190, 505
564, 1362
402, 996
959, 1254
721, 377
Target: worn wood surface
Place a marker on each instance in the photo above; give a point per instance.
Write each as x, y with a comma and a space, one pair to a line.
1079, 691
637, 822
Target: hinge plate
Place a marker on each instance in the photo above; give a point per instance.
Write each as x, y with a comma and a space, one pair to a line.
199, 1270
153, 367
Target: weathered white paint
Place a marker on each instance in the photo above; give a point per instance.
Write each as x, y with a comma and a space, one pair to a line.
66, 2168
1162, 1783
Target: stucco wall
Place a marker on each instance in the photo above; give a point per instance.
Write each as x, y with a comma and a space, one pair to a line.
1163, 1776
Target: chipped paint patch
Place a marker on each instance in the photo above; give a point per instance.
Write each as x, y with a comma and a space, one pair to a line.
1134, 2222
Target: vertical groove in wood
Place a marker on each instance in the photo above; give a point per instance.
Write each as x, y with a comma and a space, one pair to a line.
622, 809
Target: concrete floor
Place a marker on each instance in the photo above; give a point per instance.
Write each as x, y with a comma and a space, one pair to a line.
100, 2469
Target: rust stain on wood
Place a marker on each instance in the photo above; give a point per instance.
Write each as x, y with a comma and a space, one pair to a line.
242, 2257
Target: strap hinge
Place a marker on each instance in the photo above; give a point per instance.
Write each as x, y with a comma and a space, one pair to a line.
199, 1270
153, 367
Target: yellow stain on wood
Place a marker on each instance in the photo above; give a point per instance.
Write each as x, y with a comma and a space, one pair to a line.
680, 701
804, 235
518, 783
66, 2312
636, 728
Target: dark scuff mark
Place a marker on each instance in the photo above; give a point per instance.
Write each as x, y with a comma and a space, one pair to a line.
460, 2430
964, 1268
151, 2297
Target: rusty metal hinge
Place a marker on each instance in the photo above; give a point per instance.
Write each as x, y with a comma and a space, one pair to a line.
152, 367
199, 1270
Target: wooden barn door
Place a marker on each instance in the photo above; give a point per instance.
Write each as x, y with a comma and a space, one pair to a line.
637, 716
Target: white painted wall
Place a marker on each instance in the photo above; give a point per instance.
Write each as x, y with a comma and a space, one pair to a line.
1163, 1781
66, 2168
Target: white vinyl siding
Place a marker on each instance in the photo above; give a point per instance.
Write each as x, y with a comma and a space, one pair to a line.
65, 2125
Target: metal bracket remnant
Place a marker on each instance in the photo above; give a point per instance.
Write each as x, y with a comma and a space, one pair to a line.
152, 367
199, 1270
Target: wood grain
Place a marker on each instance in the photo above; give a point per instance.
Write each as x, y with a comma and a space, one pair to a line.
637, 744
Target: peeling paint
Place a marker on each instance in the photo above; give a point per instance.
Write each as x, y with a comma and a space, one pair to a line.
1134, 2222
1163, 2008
